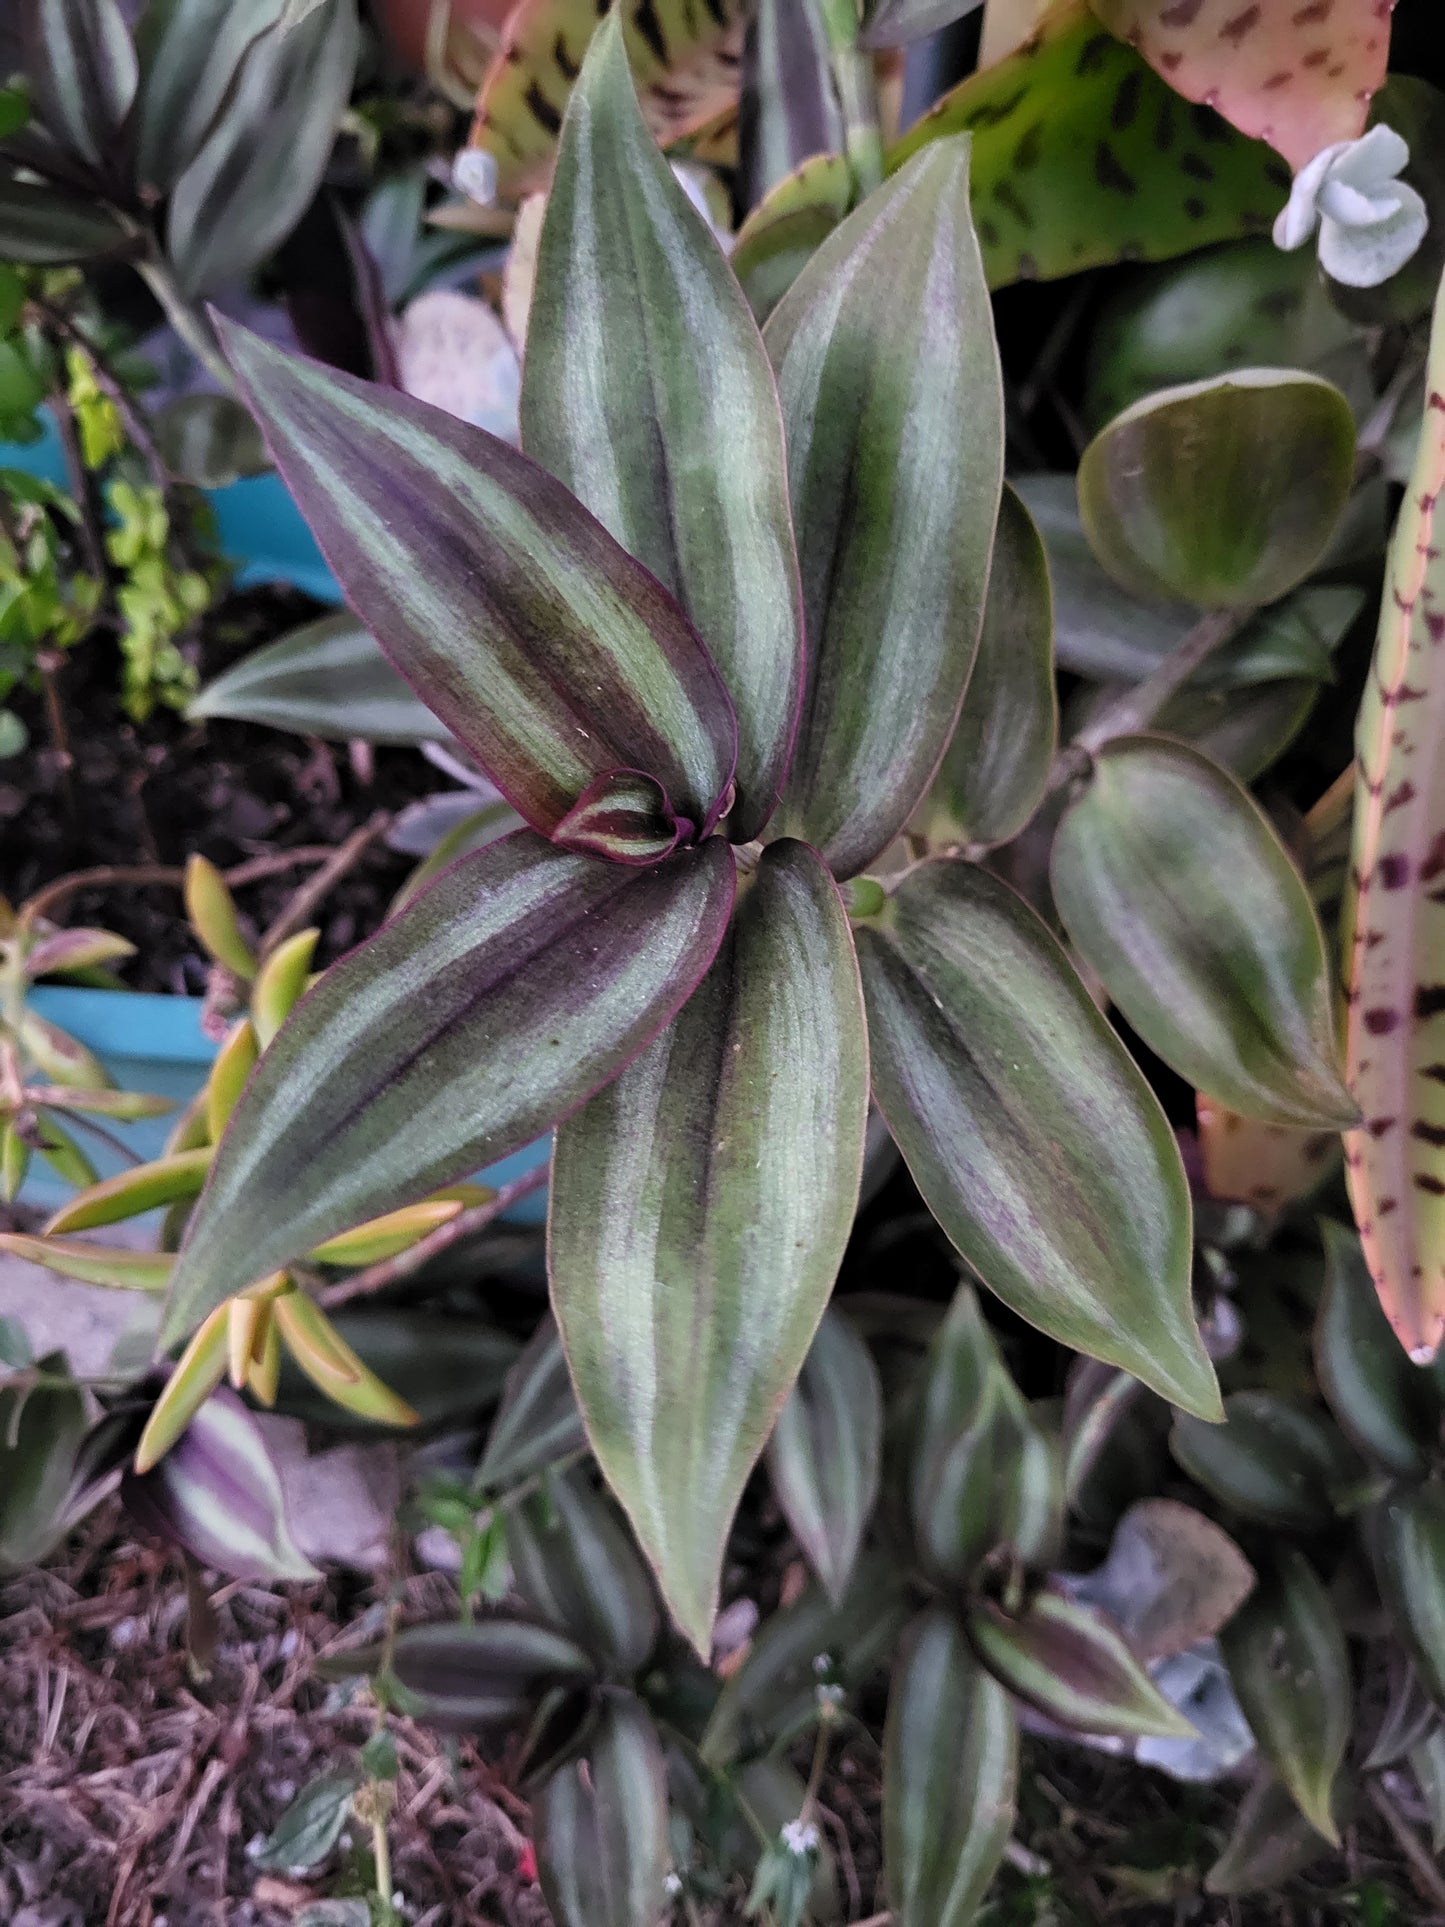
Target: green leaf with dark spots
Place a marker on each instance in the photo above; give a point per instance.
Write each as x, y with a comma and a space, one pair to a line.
889, 378
700, 1206
788, 226
993, 1068
648, 393
498, 999
1176, 889
601, 1832
1271, 1461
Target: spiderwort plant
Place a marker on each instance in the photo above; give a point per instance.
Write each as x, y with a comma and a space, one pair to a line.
711, 636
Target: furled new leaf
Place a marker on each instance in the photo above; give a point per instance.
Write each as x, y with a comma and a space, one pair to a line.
1083, 156
1387, 1408
997, 764
190, 54
1074, 1667
328, 678
700, 1207
574, 1563
602, 1843
1394, 914
889, 378
669, 431
553, 656
1178, 892
824, 1455
1271, 1461
992, 1065
80, 65
1290, 1668
950, 1772
1297, 76
451, 1038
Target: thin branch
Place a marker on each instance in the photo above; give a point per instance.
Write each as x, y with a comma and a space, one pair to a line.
90, 536
83, 1121
297, 911
107, 875
1428, 1877
185, 320
390, 1271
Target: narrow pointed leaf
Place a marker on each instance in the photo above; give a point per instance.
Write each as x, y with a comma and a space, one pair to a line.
1177, 890
993, 774
950, 1775
121, 1268
788, 110
1290, 1668
15, 1156
80, 64
328, 678
1427, 1763
1074, 1667
280, 982
825, 1452
60, 1055
668, 431
452, 1038
1409, 1552
537, 1421
212, 913
332, 1366
385, 1236
574, 1563
700, 1207
75, 950
602, 1839
133, 1191
788, 226
1223, 493
991, 1064
1271, 1461
263, 160
483, 1676
45, 227
42, 1429
1387, 1408
64, 1155
199, 1370
1271, 1842
1394, 918
1408, 1718
545, 649
190, 54
889, 378
235, 1061
128, 1106
311, 1826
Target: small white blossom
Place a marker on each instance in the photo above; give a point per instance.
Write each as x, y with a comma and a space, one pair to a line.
672, 1885
1370, 223
822, 1663
800, 1837
474, 173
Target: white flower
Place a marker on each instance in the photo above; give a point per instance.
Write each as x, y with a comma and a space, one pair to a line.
474, 173
1370, 223
800, 1837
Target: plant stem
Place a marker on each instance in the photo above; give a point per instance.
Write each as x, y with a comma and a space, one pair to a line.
381, 1852
1422, 1864
298, 910
193, 330
857, 87
105, 875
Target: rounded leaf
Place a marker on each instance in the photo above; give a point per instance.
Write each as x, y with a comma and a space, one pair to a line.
1270, 1460
1222, 493
1387, 1408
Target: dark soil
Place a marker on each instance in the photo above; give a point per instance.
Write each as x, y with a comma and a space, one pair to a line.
153, 793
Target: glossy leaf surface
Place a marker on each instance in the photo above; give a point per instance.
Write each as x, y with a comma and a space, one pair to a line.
1409, 1548
1394, 915
1289, 1665
575, 1564
602, 1845
486, 1675
997, 763
889, 379
1223, 493
134, 1190
950, 1774
545, 649
668, 431
700, 1206
992, 1066
1272, 1461
825, 1453
451, 1038
1178, 892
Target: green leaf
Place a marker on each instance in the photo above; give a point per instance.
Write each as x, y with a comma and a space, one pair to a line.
1177, 890
485, 1676
1387, 1408
825, 1453
1409, 1549
552, 655
80, 66
788, 108
311, 1826
1083, 156
123, 1269
788, 226
1074, 1667
1287, 1659
45, 227
191, 52
1245, 731
328, 678
1427, 1763
994, 772
137, 1189
537, 1422
601, 1834
41, 1428
575, 1564
648, 393
992, 1065
501, 996
1271, 1461
1271, 1842
700, 1207
889, 378
1223, 493
209, 441
950, 1775
263, 160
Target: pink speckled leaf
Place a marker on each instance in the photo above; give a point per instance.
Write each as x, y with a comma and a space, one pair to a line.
1395, 913
1297, 73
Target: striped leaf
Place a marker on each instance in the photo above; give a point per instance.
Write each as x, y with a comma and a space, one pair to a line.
500, 997
482, 1676
190, 52
1273, 1462
601, 1827
544, 648
789, 109
119, 1267
574, 1564
889, 377
950, 1776
788, 226
992, 1065
80, 66
700, 1206
1390, 1412
45, 227
1177, 890
668, 432
1409, 1552
1394, 916
537, 1421
140, 1188
897, 23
